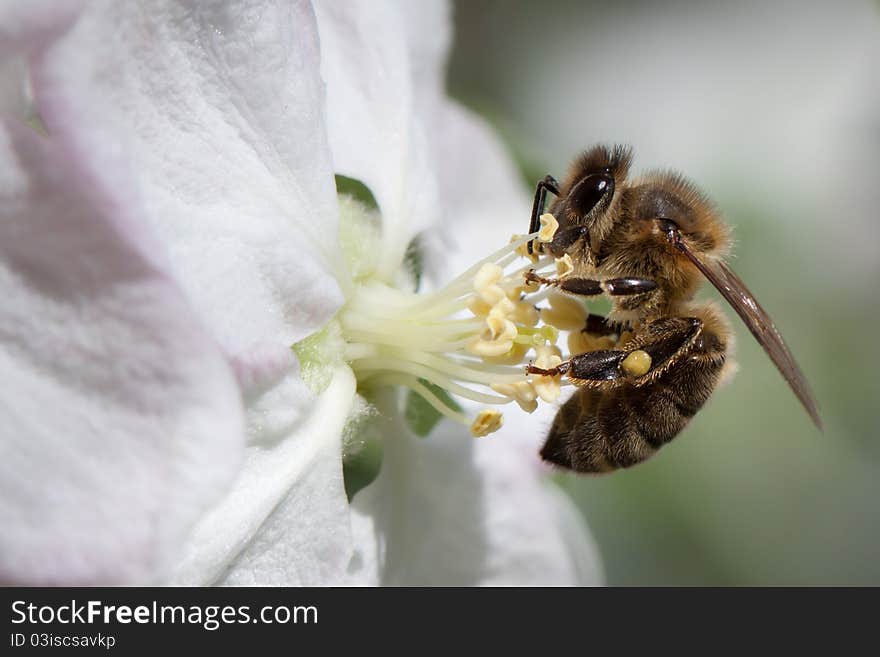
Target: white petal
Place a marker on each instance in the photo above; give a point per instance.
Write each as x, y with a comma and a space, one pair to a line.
27, 25
285, 521
13, 87
220, 105
26, 28
449, 510
482, 196
121, 419
383, 62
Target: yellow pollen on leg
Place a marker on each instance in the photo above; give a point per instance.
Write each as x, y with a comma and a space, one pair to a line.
637, 363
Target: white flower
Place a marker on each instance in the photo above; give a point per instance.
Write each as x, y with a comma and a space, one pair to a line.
163, 247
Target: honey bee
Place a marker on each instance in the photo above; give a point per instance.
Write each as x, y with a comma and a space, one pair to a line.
653, 240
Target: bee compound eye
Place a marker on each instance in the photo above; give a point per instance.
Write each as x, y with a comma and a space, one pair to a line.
590, 191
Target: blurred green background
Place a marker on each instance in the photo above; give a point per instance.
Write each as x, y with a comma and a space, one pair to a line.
775, 111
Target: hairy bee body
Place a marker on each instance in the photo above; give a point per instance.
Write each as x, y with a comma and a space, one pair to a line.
599, 430
658, 229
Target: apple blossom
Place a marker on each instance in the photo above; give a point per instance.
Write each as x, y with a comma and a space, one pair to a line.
177, 231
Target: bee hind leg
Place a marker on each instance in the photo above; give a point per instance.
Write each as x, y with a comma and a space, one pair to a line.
617, 418
657, 347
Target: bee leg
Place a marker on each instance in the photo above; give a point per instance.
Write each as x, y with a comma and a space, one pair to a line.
596, 333
598, 326
560, 369
548, 184
660, 345
590, 287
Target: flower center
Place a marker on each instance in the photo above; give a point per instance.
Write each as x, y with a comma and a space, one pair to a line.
469, 339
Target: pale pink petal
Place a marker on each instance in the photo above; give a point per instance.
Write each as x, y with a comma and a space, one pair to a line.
483, 199
27, 25
383, 61
285, 522
220, 108
121, 420
452, 511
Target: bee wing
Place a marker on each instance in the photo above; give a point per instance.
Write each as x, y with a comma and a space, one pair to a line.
762, 327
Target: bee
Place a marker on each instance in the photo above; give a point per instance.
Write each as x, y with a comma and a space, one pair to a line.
648, 243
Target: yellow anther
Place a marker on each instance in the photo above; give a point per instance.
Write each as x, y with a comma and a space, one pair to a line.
548, 227
523, 249
498, 328
524, 313
513, 356
489, 349
548, 388
487, 421
521, 392
479, 307
488, 274
497, 338
502, 308
564, 266
515, 292
565, 313
491, 294
637, 363
486, 283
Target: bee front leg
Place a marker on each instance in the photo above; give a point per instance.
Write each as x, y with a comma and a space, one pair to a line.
547, 184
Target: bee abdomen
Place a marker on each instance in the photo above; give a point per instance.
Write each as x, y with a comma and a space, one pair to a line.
598, 431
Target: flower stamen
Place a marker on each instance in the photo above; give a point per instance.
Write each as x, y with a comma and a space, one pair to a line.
476, 332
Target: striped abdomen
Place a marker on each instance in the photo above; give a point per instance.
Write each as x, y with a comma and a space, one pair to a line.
600, 431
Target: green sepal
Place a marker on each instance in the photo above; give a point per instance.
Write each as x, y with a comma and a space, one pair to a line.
319, 355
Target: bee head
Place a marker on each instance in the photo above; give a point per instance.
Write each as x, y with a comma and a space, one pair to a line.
656, 210
590, 196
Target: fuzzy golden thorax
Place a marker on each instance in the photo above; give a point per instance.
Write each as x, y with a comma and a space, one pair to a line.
638, 243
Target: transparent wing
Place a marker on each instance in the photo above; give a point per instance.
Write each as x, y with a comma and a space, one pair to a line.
762, 327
